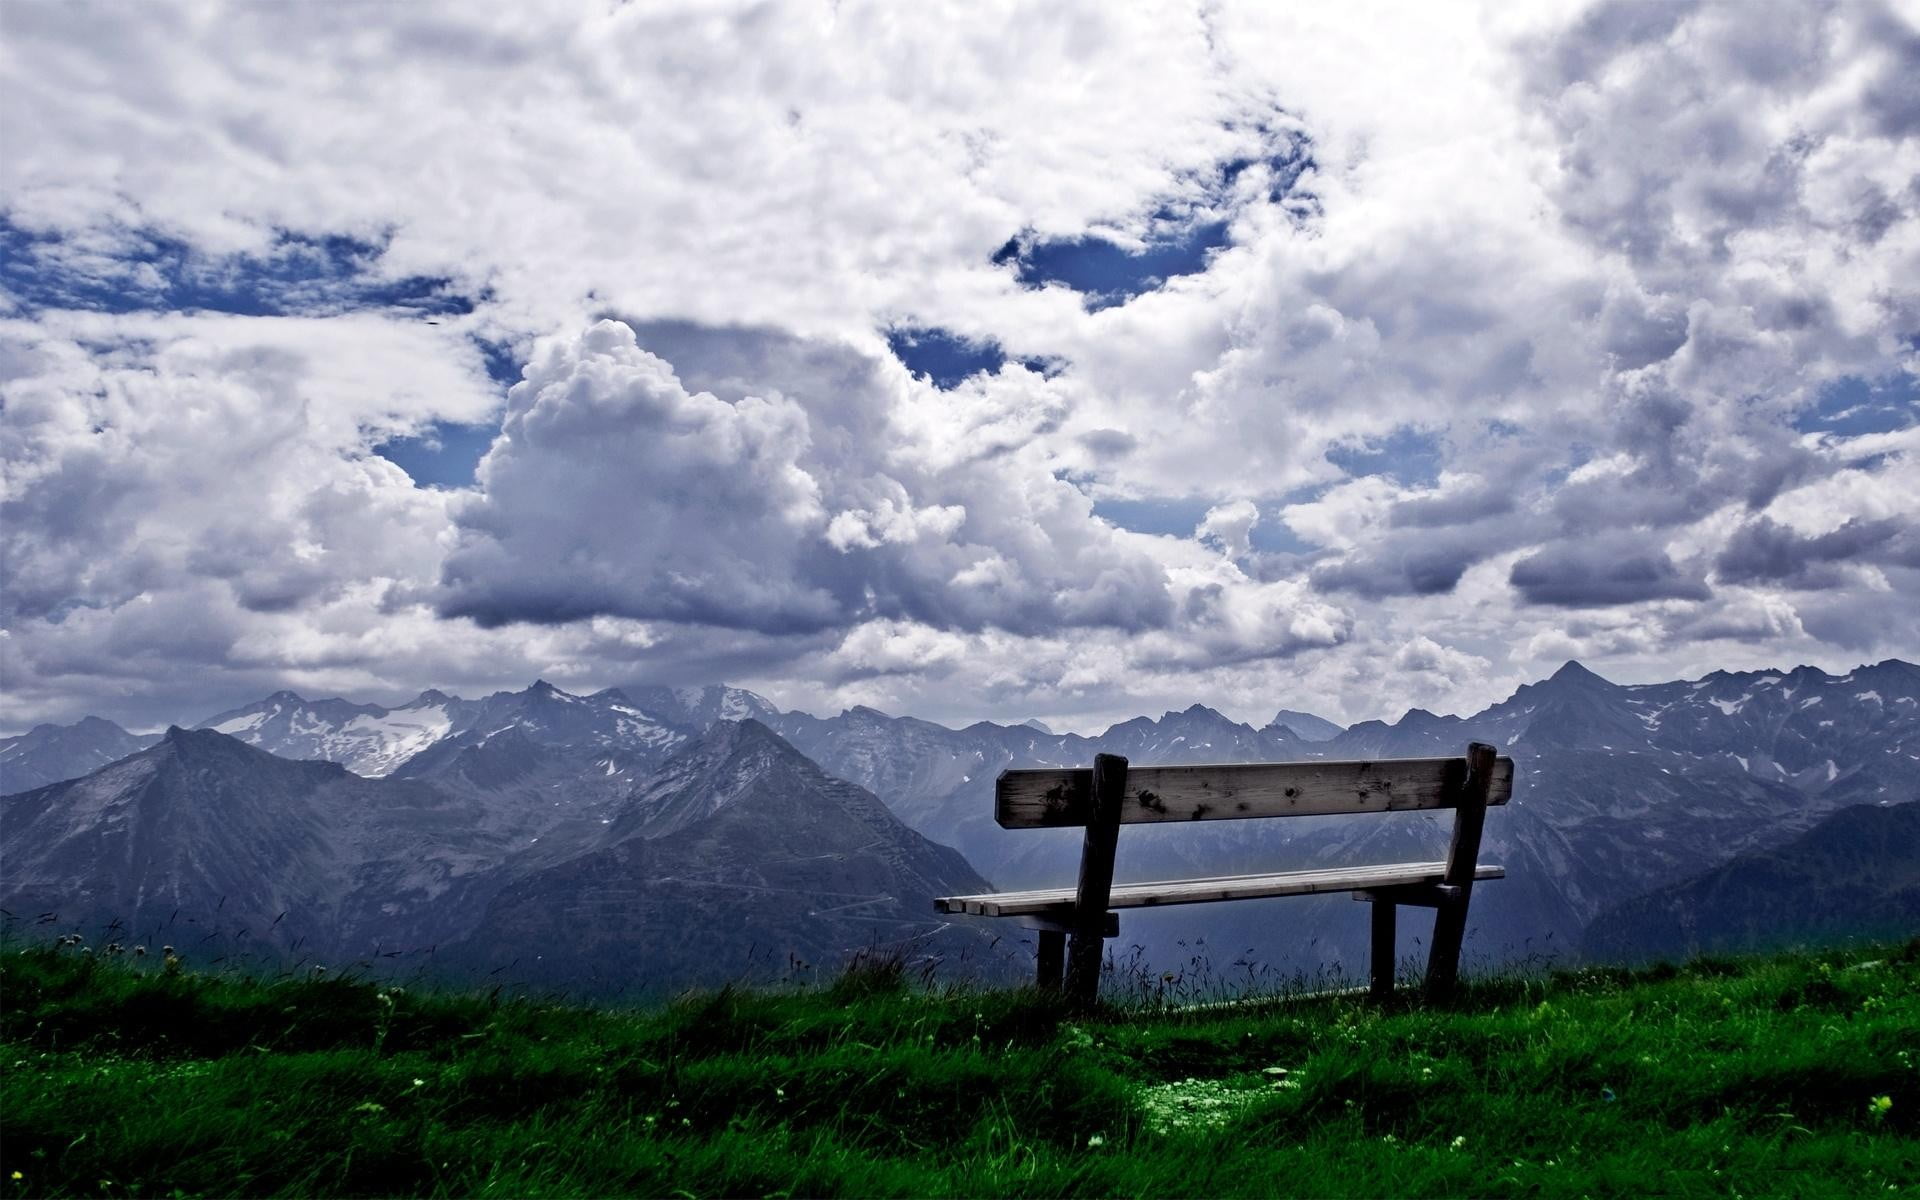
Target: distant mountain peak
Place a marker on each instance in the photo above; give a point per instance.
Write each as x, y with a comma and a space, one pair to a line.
1305, 725
1573, 672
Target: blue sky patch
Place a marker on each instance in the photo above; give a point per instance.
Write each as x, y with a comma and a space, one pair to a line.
1107, 274
1183, 232
1173, 515
1274, 536
1853, 406
143, 270
1407, 456
1179, 516
943, 356
443, 456
503, 365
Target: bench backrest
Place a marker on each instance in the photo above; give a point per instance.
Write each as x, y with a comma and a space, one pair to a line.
1051, 797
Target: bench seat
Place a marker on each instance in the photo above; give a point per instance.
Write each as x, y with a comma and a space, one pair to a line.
1055, 902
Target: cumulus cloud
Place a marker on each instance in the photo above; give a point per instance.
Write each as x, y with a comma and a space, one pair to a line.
819, 506
1230, 527
1525, 348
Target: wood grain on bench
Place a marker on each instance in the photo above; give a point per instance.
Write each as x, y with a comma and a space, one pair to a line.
1052, 797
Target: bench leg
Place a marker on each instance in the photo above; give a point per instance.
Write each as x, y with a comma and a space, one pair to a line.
1053, 959
1383, 959
1449, 931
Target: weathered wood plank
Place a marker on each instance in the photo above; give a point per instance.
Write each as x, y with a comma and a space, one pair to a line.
1086, 947
1200, 891
1450, 918
1040, 798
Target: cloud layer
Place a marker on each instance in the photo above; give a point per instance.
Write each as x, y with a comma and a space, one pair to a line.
1416, 349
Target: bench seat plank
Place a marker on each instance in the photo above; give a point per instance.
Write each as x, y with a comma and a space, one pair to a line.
1198, 891
1050, 797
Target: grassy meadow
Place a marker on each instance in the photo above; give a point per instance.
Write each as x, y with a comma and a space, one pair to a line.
1788, 1075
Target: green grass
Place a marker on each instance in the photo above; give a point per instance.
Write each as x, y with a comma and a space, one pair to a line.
1753, 1077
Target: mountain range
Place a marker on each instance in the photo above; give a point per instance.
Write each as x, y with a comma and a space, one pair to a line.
735, 842
1621, 791
49, 753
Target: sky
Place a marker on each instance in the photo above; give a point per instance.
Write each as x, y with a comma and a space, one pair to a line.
1064, 360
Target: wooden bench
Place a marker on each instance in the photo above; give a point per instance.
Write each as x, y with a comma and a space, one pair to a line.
1110, 795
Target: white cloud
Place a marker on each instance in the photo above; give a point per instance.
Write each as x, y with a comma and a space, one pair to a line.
1571, 274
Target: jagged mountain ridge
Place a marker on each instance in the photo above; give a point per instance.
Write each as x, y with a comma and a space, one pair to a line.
203, 833
1620, 789
201, 829
49, 753
631, 729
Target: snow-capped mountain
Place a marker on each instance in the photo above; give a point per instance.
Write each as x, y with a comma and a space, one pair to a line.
49, 753
695, 708
364, 738
1621, 789
615, 733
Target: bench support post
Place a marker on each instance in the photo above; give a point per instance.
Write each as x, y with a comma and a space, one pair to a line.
1381, 976
1450, 917
1052, 959
1096, 879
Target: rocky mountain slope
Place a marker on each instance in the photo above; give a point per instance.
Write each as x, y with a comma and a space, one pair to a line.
1621, 789
1856, 874
737, 851
737, 859
202, 831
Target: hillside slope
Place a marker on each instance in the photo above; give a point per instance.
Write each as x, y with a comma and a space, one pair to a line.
1854, 875
1788, 1076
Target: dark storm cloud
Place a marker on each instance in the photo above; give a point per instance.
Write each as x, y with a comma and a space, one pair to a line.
1401, 566
1609, 570
1763, 550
